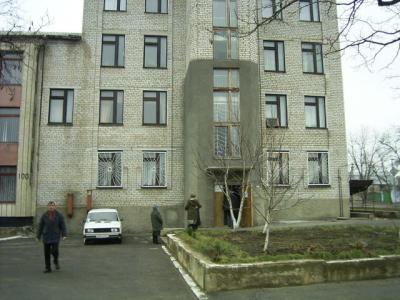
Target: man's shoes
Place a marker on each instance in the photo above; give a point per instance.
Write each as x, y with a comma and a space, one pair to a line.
47, 271
57, 265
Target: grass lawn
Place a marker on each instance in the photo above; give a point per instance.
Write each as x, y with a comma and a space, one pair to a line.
321, 242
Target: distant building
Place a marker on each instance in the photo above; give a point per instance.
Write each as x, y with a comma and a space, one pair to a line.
119, 112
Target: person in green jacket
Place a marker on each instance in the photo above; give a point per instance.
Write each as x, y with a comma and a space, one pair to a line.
157, 224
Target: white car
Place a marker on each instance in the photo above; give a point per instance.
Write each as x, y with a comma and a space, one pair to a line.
102, 224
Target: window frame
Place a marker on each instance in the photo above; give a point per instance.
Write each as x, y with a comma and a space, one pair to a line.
310, 5
114, 98
317, 111
314, 54
65, 106
320, 174
10, 115
228, 14
10, 174
276, 52
6, 56
280, 169
114, 152
159, 7
158, 109
158, 45
231, 123
277, 102
158, 168
229, 49
118, 6
275, 4
116, 50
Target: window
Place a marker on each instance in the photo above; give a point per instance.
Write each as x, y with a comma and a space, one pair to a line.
278, 168
10, 68
226, 113
312, 58
274, 56
157, 6
225, 44
154, 108
276, 111
315, 112
224, 13
309, 10
115, 5
8, 183
61, 105
154, 165
111, 107
113, 51
318, 168
9, 125
109, 169
270, 7
155, 52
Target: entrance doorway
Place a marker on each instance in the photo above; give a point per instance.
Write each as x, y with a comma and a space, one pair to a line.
222, 215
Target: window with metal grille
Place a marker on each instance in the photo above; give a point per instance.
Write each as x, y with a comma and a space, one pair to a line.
278, 168
318, 172
154, 169
109, 169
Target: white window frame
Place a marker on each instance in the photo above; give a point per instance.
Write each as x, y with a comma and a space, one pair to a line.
308, 169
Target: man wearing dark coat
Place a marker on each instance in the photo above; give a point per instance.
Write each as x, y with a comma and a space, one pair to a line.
157, 224
193, 212
51, 228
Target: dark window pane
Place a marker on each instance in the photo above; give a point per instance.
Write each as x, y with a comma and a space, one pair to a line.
8, 184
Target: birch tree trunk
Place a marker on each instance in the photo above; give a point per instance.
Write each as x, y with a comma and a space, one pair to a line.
266, 231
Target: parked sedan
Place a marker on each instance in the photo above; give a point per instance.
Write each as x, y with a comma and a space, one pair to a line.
102, 224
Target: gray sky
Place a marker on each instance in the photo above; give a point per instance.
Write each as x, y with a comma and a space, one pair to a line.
370, 99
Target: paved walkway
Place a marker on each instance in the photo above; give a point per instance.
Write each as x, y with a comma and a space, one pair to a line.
136, 269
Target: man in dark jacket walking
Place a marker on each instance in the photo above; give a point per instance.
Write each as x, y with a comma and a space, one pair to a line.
51, 228
157, 224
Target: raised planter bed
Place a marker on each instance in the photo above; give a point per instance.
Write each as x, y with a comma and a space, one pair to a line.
215, 277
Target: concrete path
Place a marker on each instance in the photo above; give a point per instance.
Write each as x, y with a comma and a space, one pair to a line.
136, 269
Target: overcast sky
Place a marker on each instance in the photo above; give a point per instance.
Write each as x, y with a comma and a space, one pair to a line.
370, 98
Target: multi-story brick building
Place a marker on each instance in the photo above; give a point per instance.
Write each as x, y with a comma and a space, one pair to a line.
123, 110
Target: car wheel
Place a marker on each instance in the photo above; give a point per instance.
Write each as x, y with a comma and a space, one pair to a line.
85, 242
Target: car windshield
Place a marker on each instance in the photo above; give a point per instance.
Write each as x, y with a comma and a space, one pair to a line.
102, 216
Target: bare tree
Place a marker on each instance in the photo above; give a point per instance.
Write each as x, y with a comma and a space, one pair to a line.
275, 184
368, 27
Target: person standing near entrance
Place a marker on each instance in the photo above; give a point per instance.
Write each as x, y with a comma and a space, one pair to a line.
193, 212
156, 224
51, 228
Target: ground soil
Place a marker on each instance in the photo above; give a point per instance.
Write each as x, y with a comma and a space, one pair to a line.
332, 239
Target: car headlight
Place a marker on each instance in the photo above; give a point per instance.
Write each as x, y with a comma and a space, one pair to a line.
89, 230
114, 229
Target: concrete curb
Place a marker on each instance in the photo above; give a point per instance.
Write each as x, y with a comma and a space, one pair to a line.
215, 277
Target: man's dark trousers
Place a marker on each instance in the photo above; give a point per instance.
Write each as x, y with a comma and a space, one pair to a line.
50, 249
